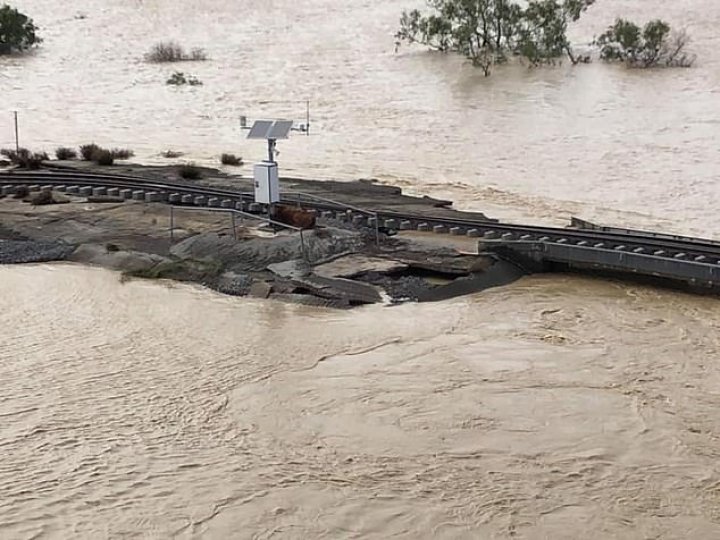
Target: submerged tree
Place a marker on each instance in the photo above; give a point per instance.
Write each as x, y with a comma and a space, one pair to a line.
17, 31
489, 32
653, 45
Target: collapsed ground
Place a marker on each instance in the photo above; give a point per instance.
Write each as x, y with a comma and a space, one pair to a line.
341, 265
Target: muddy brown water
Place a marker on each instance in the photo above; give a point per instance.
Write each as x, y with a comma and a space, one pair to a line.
527, 144
555, 407
150, 410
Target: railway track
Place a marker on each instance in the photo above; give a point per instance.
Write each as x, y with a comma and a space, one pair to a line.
675, 248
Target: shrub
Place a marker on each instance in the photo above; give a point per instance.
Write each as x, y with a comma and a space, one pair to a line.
198, 55
103, 157
88, 150
653, 45
122, 153
179, 79
170, 51
231, 159
170, 154
17, 31
65, 154
24, 158
189, 171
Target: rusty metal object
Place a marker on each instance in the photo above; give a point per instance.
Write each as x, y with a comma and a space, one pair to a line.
294, 216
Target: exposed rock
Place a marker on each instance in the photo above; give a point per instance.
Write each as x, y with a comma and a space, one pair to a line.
42, 198
402, 288
233, 283
353, 292
353, 265
33, 251
129, 261
442, 260
260, 289
255, 254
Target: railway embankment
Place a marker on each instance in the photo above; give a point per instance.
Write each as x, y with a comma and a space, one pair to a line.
335, 263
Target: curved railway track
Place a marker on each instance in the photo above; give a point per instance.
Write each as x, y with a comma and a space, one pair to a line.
184, 193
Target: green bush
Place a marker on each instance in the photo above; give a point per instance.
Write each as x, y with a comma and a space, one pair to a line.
17, 31
190, 172
171, 51
65, 154
179, 79
88, 150
103, 157
24, 158
122, 153
231, 159
653, 45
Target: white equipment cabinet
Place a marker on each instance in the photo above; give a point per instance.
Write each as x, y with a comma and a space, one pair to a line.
267, 186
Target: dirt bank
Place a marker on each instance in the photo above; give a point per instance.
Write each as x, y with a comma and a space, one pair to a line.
245, 257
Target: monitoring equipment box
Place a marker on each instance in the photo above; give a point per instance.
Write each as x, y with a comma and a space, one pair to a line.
267, 185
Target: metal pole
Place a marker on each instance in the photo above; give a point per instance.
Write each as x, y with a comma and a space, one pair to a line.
307, 117
377, 230
172, 225
302, 246
17, 138
232, 216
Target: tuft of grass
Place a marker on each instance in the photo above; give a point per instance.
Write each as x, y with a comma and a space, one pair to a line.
171, 51
190, 172
231, 159
65, 154
88, 150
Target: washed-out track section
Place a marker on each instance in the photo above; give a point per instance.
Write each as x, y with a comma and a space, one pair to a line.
693, 260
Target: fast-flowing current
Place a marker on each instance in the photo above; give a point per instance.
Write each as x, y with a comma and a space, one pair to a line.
552, 408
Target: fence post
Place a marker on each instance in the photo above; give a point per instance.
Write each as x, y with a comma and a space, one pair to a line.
377, 230
17, 138
172, 225
302, 246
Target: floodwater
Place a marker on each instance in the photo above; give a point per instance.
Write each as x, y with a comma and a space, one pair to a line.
147, 410
527, 144
555, 407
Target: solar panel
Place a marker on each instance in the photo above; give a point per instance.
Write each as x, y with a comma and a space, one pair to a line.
260, 129
280, 130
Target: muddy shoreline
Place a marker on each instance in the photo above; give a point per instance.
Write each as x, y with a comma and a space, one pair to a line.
333, 264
